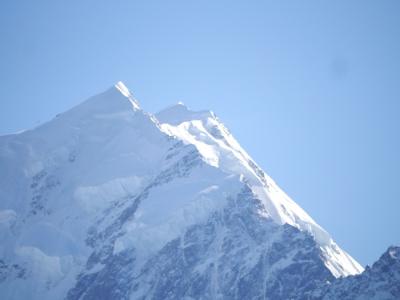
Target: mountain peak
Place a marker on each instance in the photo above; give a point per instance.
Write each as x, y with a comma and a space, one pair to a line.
122, 88
116, 100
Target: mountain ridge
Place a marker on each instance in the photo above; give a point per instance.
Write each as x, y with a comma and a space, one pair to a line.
108, 201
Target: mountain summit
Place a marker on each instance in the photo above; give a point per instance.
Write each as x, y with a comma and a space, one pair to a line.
107, 201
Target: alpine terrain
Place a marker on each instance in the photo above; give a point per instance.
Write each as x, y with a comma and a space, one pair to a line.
107, 201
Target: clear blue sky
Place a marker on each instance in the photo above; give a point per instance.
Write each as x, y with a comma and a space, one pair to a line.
310, 88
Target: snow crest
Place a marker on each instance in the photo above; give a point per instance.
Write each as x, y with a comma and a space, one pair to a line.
220, 149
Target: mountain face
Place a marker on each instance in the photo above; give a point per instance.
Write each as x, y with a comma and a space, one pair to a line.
379, 282
107, 201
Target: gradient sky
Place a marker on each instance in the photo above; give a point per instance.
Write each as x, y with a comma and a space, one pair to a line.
310, 88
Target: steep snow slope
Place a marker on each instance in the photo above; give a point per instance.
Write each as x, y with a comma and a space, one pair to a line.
220, 149
107, 201
58, 179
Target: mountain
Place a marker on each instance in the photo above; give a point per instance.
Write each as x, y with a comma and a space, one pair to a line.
379, 282
107, 201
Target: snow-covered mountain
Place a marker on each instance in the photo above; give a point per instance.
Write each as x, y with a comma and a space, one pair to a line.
107, 201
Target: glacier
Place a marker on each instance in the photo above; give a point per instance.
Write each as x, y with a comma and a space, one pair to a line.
107, 201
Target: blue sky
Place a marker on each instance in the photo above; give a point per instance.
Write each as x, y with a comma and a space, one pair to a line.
310, 88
